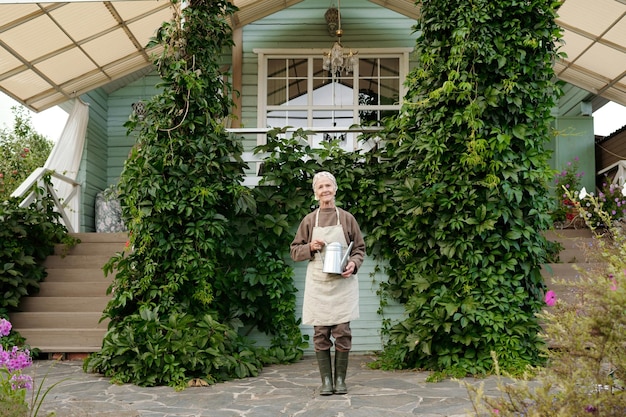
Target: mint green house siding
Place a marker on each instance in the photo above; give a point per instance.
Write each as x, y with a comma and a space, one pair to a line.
366, 331
573, 134
93, 170
302, 26
120, 108
575, 140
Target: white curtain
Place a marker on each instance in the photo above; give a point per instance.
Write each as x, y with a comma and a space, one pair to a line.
66, 156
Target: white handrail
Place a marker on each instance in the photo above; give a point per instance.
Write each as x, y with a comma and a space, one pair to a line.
26, 193
334, 129
620, 176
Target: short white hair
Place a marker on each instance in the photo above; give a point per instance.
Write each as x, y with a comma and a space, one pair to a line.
323, 174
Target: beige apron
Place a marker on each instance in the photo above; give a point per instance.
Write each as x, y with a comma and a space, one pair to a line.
329, 299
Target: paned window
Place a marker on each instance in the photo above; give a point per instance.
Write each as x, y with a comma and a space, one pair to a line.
296, 91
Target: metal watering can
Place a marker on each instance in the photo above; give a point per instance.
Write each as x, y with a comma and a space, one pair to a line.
334, 261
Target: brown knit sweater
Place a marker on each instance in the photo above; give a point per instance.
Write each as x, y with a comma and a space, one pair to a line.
300, 250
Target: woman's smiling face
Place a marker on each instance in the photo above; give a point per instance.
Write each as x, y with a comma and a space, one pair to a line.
325, 191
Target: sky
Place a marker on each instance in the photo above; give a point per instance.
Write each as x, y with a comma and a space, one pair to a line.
608, 119
50, 123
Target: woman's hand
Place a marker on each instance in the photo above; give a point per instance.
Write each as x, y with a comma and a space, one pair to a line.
316, 245
349, 269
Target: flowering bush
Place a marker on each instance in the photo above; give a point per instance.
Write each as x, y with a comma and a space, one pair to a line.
586, 370
21, 151
611, 200
13, 383
568, 179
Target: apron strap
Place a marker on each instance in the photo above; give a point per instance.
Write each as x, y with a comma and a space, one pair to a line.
317, 217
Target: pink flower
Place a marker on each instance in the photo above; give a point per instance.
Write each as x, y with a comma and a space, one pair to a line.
19, 381
5, 327
613, 282
550, 298
15, 359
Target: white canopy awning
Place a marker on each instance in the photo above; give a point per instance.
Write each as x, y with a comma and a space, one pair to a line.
595, 44
53, 51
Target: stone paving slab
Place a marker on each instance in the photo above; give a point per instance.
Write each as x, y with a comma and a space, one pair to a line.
279, 391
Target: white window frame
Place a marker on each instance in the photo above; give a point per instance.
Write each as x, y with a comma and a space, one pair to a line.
265, 54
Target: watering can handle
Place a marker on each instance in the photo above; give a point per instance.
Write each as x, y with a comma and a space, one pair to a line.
344, 261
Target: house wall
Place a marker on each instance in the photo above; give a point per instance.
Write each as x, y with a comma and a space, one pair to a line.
366, 331
302, 26
93, 167
120, 108
299, 26
574, 138
610, 150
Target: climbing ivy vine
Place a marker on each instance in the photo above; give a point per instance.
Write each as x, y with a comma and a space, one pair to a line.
199, 276
471, 178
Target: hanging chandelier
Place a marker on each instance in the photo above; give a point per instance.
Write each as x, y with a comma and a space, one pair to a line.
338, 60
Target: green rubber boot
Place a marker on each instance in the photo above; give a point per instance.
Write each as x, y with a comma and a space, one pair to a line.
326, 372
341, 368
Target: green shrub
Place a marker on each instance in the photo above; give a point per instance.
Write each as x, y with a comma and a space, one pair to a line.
21, 151
27, 237
585, 374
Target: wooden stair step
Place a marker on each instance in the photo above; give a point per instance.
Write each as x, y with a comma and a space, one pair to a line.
102, 249
582, 244
573, 256
556, 234
568, 270
563, 291
73, 289
561, 277
120, 237
76, 261
77, 275
64, 340
64, 317
43, 320
57, 304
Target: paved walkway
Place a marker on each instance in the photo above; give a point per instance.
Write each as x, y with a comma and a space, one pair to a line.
279, 391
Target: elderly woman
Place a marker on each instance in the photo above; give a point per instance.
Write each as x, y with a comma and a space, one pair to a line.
331, 301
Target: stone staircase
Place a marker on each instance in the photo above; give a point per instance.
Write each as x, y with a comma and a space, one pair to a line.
575, 243
64, 317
